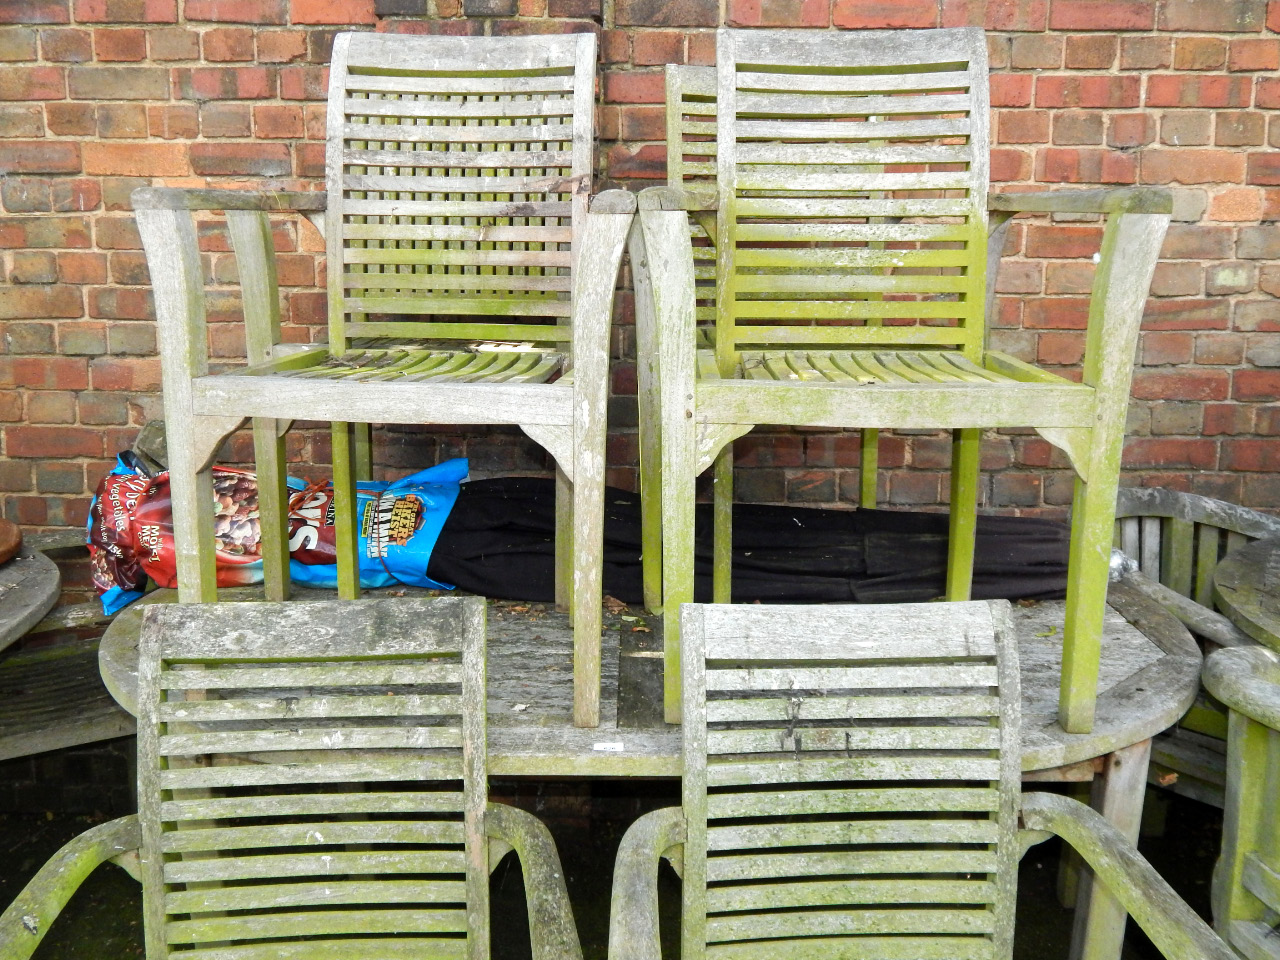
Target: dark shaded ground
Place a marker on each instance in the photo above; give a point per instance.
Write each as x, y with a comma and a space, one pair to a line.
103, 921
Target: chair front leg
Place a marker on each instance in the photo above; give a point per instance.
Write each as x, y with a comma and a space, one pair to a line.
633, 910
722, 527
346, 523
564, 544
588, 572
966, 448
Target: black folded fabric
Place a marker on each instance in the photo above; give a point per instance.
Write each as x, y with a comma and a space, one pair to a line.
499, 541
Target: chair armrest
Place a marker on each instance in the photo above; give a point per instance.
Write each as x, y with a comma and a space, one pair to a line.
1198, 619
633, 910
26, 921
1173, 927
676, 198
1247, 680
176, 198
1117, 200
552, 933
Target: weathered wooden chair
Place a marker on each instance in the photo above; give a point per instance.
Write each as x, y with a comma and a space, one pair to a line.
346, 813
1246, 880
850, 225
1176, 540
468, 284
851, 789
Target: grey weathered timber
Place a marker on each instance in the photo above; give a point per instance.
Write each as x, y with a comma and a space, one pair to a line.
29, 585
1246, 891
815, 286
1246, 585
361, 828
470, 279
850, 789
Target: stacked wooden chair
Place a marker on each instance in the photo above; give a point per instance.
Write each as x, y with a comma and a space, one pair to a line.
346, 813
851, 789
470, 281
1246, 880
849, 223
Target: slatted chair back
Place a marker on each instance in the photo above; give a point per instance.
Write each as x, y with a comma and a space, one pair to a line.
343, 814
691, 165
458, 174
851, 164
851, 781
1178, 538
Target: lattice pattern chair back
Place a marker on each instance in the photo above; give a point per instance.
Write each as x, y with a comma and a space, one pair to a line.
456, 187
691, 165
344, 814
852, 164
849, 794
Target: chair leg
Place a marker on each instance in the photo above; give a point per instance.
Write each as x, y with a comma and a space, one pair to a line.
722, 527
564, 544
1092, 519
868, 475
347, 524
651, 524
587, 577
191, 492
362, 454
273, 507
679, 478
966, 448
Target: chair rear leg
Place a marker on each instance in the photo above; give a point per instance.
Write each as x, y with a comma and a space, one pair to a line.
564, 544
273, 507
679, 479
722, 527
961, 537
347, 524
868, 475
587, 571
362, 455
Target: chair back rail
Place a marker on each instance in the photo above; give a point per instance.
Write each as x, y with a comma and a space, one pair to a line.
850, 790
458, 175
344, 812
851, 167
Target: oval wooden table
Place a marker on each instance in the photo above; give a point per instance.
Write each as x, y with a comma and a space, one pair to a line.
29, 586
1149, 676
1246, 585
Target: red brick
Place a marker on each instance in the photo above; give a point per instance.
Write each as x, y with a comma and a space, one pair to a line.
647, 162
128, 374
1268, 97
1212, 16
1056, 313
44, 232
117, 121
178, 121
332, 11
1061, 241
1060, 349
173, 43
1011, 89
1009, 166
1255, 316
51, 406
118, 83
82, 267
126, 11
1058, 165
1236, 205
51, 373
30, 266
1185, 241
124, 45
1091, 52
656, 47
1145, 53
1069, 276
237, 11
35, 11
1159, 349
24, 120
1251, 455
304, 83
1192, 166
281, 46
1254, 55
1273, 16
71, 119
1031, 15
1181, 384
1098, 91
1176, 280
1173, 90
225, 83
615, 46
1186, 314
1023, 126
32, 83
240, 159
1102, 15
1196, 454
637, 87
227, 44
642, 123
277, 121
880, 14
1036, 51
53, 443
136, 159
34, 156
1131, 130
309, 159
1264, 169
1226, 418
225, 120
66, 45
1199, 53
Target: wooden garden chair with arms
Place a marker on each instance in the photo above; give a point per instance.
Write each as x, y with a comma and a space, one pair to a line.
346, 812
1246, 879
851, 790
850, 221
468, 283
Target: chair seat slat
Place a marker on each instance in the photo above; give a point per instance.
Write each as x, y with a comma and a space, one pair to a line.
336, 863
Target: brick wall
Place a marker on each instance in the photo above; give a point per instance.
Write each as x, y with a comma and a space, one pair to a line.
98, 97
